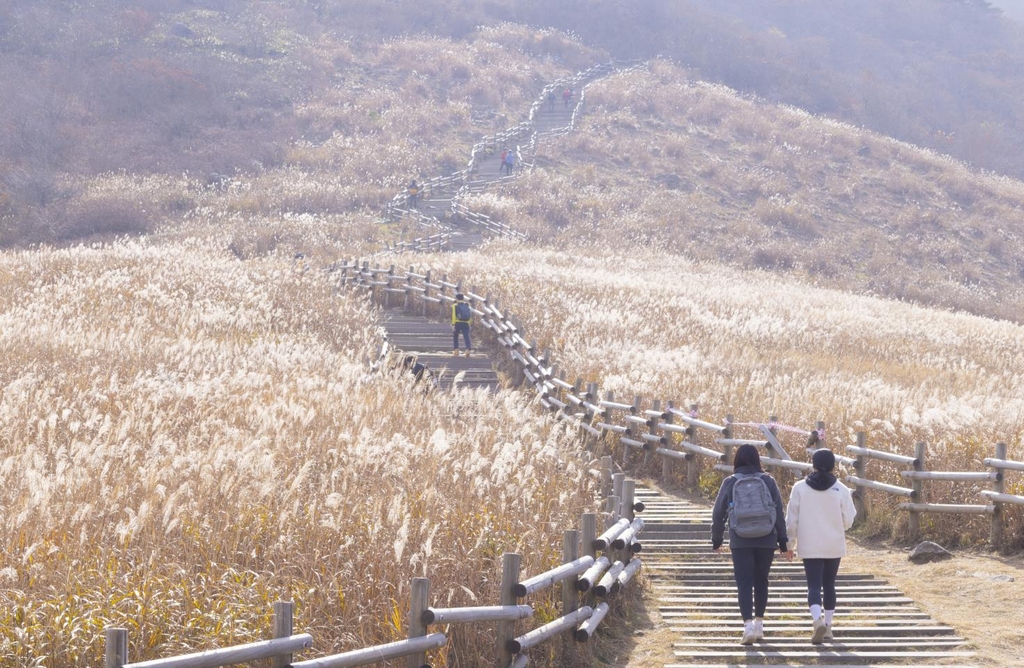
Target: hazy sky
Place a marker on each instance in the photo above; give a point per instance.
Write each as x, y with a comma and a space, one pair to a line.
1012, 8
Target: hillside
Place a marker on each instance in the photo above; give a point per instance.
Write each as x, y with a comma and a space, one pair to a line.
188, 428
666, 163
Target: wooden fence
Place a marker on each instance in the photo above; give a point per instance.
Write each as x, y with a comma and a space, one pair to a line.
520, 138
663, 428
594, 569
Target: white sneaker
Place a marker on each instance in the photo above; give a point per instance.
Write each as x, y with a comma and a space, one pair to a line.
758, 629
828, 633
818, 634
748, 633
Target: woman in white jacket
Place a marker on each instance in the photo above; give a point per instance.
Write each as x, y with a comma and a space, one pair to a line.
819, 513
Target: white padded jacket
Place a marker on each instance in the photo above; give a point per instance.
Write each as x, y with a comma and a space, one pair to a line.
818, 520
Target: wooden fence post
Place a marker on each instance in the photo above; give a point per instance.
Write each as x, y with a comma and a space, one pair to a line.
999, 487
570, 553
628, 493
614, 502
772, 420
917, 484
727, 449
652, 430
408, 292
116, 654
637, 399
666, 462
506, 631
691, 462
387, 288
606, 477
587, 538
419, 600
283, 627
443, 313
860, 495
426, 292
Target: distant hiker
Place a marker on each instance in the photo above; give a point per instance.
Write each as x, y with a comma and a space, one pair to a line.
551, 100
414, 193
566, 97
419, 370
749, 500
820, 511
504, 154
462, 315
510, 162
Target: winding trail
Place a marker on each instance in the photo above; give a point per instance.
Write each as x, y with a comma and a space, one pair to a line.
429, 340
875, 624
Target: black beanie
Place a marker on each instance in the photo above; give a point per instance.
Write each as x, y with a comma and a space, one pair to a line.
823, 460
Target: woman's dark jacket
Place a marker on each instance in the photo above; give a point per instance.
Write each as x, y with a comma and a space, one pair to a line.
720, 516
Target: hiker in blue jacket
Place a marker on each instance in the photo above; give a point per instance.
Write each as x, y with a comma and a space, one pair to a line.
750, 501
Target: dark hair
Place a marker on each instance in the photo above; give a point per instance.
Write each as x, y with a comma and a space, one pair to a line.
459, 295
746, 455
824, 460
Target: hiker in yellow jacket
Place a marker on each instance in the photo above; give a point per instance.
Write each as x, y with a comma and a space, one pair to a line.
462, 314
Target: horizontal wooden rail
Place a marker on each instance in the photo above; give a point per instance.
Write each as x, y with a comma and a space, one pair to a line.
1002, 498
608, 584
228, 656
593, 574
627, 536
551, 629
494, 613
885, 456
881, 486
589, 626
954, 476
787, 464
1004, 464
552, 577
606, 539
377, 654
758, 443
961, 508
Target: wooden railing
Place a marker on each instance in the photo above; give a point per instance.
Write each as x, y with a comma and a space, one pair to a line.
520, 139
593, 571
663, 428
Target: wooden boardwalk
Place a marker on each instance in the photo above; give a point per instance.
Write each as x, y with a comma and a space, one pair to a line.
430, 341
875, 624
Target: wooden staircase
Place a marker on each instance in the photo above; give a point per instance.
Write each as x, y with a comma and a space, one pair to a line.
430, 342
875, 625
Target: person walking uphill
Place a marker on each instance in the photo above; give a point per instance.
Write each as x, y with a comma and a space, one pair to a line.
510, 162
750, 501
462, 315
819, 513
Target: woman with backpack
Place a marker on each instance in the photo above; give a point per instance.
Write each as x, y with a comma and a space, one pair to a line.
750, 501
820, 511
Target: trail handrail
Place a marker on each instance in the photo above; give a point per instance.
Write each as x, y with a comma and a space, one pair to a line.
652, 430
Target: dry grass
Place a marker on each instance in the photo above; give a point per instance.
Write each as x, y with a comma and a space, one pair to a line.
187, 437
188, 432
754, 345
664, 163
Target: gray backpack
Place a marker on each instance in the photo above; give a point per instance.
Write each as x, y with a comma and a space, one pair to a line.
752, 512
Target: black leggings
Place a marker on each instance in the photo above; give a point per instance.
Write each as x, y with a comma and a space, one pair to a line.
821, 578
750, 566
